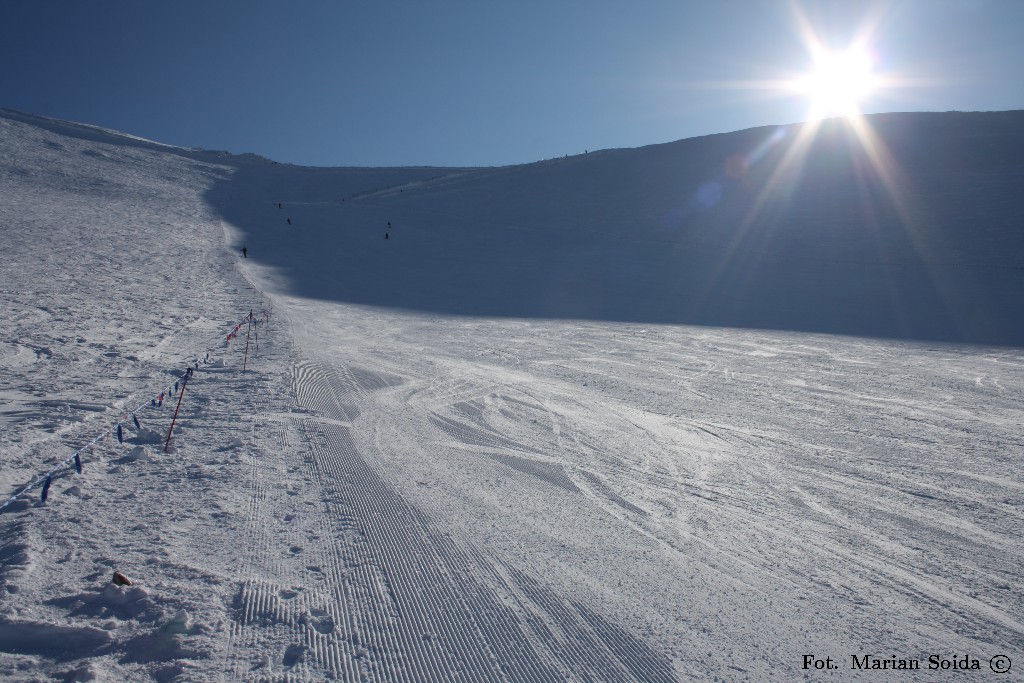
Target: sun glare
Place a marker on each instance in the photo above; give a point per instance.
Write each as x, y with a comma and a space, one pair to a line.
841, 84
838, 83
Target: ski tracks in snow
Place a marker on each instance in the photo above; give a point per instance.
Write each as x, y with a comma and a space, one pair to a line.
346, 579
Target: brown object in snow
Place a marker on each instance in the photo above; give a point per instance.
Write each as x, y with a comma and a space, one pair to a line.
121, 580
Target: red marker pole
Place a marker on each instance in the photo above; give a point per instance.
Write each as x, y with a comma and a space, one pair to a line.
175, 418
247, 331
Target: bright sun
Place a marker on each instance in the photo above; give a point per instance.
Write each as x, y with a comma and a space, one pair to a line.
838, 83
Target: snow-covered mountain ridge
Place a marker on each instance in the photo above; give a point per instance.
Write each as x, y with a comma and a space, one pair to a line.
909, 232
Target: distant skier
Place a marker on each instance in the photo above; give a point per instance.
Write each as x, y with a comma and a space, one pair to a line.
386, 236
245, 253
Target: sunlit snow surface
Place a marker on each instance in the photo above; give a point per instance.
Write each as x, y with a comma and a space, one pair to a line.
402, 494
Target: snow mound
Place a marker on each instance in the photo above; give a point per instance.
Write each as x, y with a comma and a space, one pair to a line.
138, 454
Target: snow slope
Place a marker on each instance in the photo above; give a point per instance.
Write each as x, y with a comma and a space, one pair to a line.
566, 484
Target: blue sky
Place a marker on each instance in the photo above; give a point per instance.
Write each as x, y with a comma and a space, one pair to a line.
475, 82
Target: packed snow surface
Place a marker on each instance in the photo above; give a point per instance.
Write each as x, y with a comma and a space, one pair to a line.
625, 416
